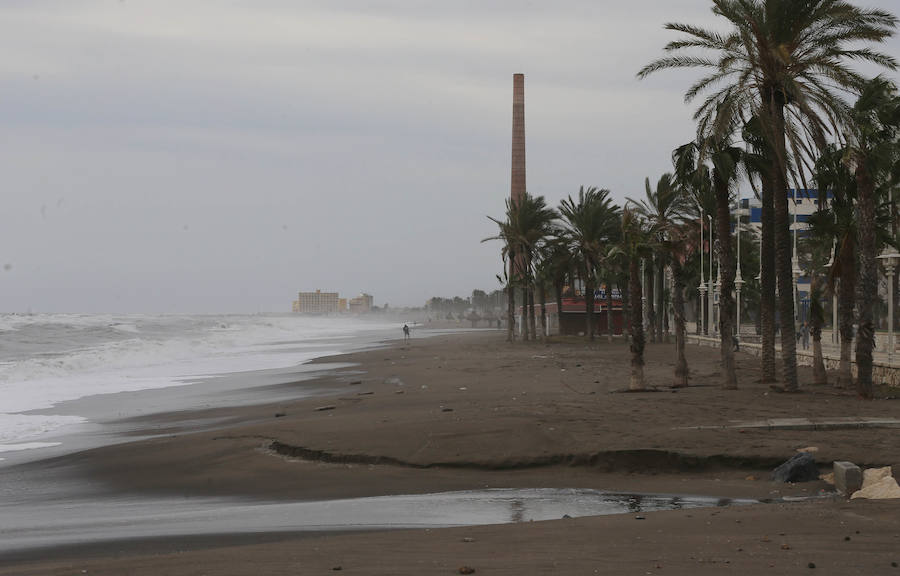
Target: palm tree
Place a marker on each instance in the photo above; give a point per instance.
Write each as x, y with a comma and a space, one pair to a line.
542, 268
816, 251
782, 61
757, 161
679, 249
557, 263
836, 225
589, 224
694, 180
636, 244
874, 151
611, 270
508, 253
725, 160
662, 208
667, 209
528, 224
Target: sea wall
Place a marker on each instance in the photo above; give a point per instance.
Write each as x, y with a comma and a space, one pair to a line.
882, 371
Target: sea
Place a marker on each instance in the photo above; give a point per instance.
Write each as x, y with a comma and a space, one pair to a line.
47, 361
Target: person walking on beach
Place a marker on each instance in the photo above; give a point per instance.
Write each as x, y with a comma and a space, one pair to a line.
804, 335
406, 332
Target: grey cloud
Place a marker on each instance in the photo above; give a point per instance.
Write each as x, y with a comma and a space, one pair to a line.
220, 155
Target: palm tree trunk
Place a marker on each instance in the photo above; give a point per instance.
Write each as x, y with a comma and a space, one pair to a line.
609, 301
542, 297
867, 286
637, 326
651, 308
532, 282
558, 287
816, 319
589, 302
726, 275
681, 366
662, 316
767, 282
783, 252
525, 312
510, 311
846, 302
531, 312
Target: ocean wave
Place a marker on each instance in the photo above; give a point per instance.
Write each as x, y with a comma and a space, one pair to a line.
46, 359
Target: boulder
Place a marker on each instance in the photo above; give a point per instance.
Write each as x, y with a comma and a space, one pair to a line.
800, 468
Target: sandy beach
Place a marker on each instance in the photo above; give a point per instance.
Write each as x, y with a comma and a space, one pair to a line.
469, 411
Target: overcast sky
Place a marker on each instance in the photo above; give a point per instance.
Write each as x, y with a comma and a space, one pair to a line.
220, 155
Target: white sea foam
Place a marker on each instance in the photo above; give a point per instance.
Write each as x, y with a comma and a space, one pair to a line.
26, 446
48, 359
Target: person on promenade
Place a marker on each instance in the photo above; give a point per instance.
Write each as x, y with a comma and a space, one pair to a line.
406, 332
804, 335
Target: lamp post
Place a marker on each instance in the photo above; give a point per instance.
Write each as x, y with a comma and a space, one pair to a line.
835, 337
795, 263
738, 281
709, 322
759, 276
834, 302
644, 293
796, 273
670, 309
890, 261
718, 293
702, 287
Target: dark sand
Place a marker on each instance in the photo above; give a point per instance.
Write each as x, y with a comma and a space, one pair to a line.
468, 411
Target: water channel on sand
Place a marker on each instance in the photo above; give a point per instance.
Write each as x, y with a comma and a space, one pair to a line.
72, 522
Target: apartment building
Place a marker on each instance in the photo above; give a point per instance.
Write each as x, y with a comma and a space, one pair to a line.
361, 304
318, 302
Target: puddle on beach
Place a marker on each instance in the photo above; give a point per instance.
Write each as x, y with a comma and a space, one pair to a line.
34, 524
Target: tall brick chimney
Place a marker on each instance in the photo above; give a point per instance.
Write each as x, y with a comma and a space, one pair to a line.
517, 191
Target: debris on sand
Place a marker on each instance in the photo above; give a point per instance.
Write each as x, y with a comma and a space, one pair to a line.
878, 484
800, 468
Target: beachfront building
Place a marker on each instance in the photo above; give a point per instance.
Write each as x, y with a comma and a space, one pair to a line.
572, 320
318, 302
801, 205
362, 304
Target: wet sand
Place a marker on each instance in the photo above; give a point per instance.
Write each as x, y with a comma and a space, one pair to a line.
470, 411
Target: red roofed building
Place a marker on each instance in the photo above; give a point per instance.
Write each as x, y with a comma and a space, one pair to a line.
572, 321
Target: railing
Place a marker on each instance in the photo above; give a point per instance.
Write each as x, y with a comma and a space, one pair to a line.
882, 370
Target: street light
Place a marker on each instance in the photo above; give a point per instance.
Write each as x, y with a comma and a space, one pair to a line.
834, 300
702, 287
644, 293
738, 281
712, 234
890, 261
718, 293
795, 262
759, 276
796, 272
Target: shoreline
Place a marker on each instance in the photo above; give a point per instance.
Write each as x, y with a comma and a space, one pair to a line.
108, 414
467, 410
